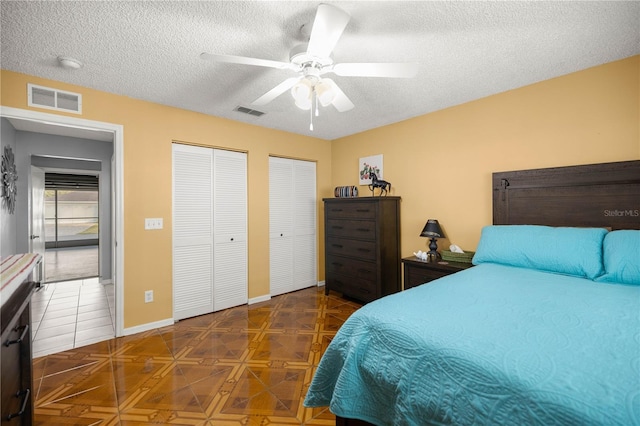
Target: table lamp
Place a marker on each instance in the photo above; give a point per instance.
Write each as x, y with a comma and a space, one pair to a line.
432, 230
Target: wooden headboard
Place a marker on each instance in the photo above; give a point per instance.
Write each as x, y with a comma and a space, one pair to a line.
594, 195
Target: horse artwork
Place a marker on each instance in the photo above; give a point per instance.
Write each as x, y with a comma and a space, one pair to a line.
384, 186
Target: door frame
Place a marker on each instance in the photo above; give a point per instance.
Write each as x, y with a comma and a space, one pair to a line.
118, 173
32, 220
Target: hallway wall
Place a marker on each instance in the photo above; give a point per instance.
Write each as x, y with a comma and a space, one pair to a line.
7, 221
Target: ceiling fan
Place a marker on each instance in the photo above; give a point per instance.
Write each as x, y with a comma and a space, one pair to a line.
311, 61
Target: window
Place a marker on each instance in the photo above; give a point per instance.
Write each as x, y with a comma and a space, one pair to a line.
71, 211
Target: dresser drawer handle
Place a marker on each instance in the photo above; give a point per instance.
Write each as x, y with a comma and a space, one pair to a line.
337, 227
364, 271
25, 328
337, 245
364, 250
362, 210
25, 399
336, 210
362, 229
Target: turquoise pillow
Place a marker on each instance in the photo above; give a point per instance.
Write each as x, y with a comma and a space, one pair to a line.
621, 257
570, 251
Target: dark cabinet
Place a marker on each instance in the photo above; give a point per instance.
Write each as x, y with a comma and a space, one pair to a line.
16, 357
362, 246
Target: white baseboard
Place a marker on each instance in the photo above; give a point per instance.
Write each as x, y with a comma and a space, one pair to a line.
148, 326
105, 282
320, 283
259, 299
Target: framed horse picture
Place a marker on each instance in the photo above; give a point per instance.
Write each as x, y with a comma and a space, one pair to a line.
368, 165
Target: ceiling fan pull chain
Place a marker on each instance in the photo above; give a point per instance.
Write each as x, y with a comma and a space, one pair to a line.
311, 117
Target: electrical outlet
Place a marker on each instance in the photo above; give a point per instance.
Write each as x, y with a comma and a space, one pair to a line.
148, 296
153, 223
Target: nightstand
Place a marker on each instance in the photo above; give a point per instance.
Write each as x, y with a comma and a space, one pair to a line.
418, 272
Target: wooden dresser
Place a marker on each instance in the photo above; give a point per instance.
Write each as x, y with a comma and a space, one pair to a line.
16, 287
362, 246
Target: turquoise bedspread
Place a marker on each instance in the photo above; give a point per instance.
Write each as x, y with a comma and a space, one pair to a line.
492, 345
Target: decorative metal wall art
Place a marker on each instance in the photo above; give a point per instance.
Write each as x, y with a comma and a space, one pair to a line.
9, 178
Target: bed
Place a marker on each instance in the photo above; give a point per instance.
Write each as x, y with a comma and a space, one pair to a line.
544, 329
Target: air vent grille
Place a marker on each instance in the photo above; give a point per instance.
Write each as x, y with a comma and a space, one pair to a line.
45, 97
249, 111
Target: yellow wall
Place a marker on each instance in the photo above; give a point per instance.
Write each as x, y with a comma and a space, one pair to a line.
149, 130
441, 163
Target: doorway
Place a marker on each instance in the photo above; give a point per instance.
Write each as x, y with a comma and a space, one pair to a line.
71, 226
80, 128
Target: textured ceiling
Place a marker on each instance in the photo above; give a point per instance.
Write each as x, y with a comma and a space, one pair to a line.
465, 50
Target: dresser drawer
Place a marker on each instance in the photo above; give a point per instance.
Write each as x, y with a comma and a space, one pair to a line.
418, 272
415, 277
365, 250
361, 289
352, 267
363, 229
366, 210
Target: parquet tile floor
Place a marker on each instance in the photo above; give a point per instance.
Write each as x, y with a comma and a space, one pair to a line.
249, 365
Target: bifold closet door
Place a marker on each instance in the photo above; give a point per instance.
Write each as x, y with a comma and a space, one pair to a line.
192, 231
280, 226
230, 262
304, 232
209, 230
292, 225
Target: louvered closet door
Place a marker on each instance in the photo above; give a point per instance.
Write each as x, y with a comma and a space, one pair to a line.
280, 226
292, 225
192, 231
230, 229
304, 233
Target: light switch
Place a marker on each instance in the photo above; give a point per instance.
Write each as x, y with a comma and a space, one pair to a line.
153, 223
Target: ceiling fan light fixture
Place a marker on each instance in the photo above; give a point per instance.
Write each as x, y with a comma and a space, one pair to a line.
304, 104
301, 91
325, 92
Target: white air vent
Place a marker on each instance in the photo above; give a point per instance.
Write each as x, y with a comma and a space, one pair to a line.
45, 97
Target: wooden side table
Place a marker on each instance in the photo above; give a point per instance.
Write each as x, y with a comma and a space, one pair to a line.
418, 272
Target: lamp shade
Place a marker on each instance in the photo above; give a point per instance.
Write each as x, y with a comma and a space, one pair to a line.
325, 92
301, 91
432, 229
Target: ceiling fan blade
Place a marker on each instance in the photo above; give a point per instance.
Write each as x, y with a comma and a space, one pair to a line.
328, 26
340, 100
276, 91
230, 59
396, 70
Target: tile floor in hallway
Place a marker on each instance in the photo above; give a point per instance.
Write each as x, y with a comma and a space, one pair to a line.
70, 314
249, 365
